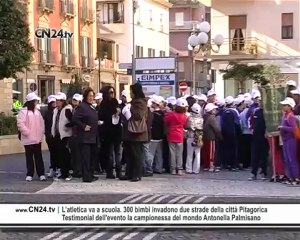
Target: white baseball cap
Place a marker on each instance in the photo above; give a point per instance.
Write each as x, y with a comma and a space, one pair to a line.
78, 97
256, 94
211, 93
32, 96
229, 100
149, 103
51, 99
171, 100
202, 97
288, 101
98, 96
291, 83
296, 91
247, 95
156, 99
221, 102
60, 96
123, 94
239, 100
248, 101
196, 108
181, 102
210, 106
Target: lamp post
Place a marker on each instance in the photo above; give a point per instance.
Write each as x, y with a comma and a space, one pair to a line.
199, 42
98, 62
135, 6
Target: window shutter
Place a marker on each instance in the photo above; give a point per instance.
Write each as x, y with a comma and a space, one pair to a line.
62, 46
48, 45
287, 19
82, 46
88, 53
40, 44
70, 47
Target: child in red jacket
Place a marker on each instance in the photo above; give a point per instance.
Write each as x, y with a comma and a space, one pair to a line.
175, 122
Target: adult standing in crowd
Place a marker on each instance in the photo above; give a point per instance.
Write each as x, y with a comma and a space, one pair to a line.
111, 132
31, 126
48, 118
135, 132
291, 85
100, 163
62, 116
73, 142
85, 117
296, 95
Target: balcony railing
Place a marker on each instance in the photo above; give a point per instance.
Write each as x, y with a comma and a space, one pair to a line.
185, 26
87, 62
46, 5
185, 3
247, 46
67, 8
67, 59
87, 15
47, 58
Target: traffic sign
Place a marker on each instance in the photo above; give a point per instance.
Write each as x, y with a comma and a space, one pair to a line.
183, 86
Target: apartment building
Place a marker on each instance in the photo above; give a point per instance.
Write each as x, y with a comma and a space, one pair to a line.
185, 17
255, 32
117, 35
57, 60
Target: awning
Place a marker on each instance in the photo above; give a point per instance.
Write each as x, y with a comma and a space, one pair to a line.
16, 92
65, 81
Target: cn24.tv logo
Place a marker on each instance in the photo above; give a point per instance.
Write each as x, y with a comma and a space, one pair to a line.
53, 33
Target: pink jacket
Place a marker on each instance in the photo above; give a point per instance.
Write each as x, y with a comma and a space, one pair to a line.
31, 125
175, 124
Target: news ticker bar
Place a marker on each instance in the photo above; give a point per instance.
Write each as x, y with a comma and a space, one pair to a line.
150, 214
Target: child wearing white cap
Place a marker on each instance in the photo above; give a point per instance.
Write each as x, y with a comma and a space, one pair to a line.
175, 122
194, 139
31, 131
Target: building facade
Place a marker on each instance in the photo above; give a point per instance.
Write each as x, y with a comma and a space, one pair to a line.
55, 61
185, 17
117, 36
255, 32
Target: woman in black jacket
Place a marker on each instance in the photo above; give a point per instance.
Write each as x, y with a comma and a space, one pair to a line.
48, 119
111, 131
85, 117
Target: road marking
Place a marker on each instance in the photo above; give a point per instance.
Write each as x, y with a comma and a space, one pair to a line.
139, 198
200, 199
84, 235
65, 235
185, 199
52, 235
150, 236
18, 193
9, 172
151, 198
116, 236
98, 235
161, 198
174, 200
132, 235
128, 198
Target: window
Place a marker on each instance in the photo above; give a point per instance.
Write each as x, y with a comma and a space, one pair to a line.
111, 13
180, 66
66, 50
44, 48
85, 51
287, 25
151, 52
139, 51
179, 19
237, 27
162, 53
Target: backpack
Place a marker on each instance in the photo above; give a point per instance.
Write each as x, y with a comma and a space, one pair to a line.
227, 123
198, 138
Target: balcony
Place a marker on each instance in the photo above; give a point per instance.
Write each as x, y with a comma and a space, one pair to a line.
67, 9
68, 62
185, 3
185, 26
46, 6
47, 58
87, 16
87, 63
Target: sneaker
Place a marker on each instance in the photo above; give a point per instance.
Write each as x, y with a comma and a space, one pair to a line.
206, 169
263, 177
217, 170
211, 170
50, 174
252, 178
58, 173
28, 178
180, 172
187, 172
173, 172
42, 178
68, 178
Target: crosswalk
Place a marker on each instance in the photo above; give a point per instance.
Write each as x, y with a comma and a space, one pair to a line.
125, 234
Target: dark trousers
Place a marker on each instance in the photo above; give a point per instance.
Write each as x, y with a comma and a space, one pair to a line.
245, 150
34, 156
184, 154
88, 153
113, 154
134, 151
259, 154
220, 162
63, 155
166, 152
75, 156
230, 151
51, 147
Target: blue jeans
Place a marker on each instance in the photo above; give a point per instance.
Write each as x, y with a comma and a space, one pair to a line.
147, 160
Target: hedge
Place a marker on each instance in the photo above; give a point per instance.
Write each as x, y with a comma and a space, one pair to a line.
8, 125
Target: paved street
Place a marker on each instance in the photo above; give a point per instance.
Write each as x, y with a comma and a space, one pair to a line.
223, 187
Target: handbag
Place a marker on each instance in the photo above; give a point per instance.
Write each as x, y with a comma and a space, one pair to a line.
139, 126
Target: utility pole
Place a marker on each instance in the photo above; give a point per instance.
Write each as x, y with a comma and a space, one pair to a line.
134, 7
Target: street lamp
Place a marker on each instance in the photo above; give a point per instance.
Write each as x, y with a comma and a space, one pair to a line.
135, 6
199, 41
